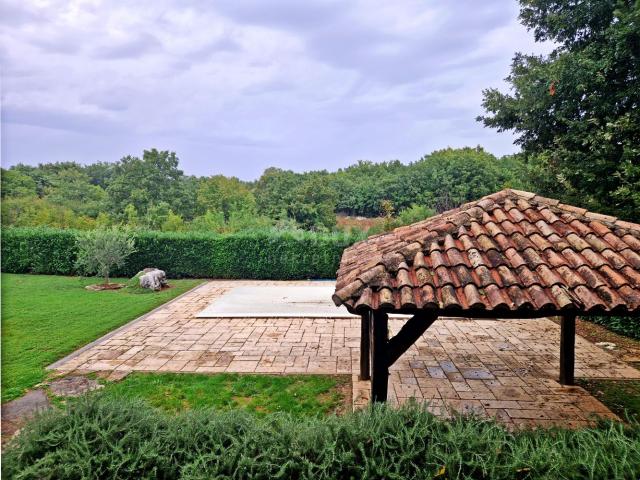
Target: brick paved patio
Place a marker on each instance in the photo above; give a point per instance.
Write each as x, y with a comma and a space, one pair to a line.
503, 368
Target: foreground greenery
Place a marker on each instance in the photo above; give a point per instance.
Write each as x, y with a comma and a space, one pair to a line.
260, 394
46, 317
99, 437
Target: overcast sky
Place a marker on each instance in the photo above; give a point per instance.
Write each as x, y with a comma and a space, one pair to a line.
236, 86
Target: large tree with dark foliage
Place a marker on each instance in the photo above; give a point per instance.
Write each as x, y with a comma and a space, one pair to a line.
147, 182
576, 111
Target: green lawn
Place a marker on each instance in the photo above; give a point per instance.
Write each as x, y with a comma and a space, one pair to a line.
46, 317
261, 394
621, 396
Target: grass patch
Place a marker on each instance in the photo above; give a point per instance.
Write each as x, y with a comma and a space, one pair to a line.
45, 317
622, 397
101, 437
260, 394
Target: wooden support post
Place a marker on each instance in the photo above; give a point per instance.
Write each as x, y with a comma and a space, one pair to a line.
567, 349
379, 362
365, 342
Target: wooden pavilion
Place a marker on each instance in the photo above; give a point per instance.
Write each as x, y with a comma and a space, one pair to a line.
511, 254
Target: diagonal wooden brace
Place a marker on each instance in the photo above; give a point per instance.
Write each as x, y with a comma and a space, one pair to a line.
384, 351
408, 335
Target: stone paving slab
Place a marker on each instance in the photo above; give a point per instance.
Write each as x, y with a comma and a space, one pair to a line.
502, 368
277, 301
16, 413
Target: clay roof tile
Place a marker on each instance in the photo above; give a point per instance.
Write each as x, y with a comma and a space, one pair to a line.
511, 251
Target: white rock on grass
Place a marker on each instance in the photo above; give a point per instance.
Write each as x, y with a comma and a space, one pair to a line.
153, 279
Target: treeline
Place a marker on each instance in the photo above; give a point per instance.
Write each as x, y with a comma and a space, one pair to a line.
153, 193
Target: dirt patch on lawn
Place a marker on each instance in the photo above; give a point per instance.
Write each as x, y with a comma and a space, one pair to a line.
241, 401
105, 286
344, 388
622, 397
626, 349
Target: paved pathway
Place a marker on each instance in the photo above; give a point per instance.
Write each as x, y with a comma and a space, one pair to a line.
504, 368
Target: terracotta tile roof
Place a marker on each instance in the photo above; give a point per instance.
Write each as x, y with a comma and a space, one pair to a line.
512, 252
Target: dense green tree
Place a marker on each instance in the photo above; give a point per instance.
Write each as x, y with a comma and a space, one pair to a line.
131, 216
447, 178
173, 223
226, 195
362, 186
36, 212
576, 111
185, 203
313, 204
71, 188
156, 215
240, 220
274, 191
17, 184
99, 173
40, 175
307, 198
145, 182
209, 222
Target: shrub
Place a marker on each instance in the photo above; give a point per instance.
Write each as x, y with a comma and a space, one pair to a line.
415, 213
623, 325
103, 249
101, 438
252, 255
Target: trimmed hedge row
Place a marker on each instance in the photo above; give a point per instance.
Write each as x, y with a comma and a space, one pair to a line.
118, 438
260, 255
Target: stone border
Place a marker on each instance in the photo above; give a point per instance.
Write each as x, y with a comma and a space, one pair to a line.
107, 336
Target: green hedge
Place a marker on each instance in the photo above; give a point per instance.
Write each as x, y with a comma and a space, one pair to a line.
117, 438
260, 255
38, 250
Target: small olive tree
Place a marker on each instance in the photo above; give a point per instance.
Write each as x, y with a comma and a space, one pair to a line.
101, 250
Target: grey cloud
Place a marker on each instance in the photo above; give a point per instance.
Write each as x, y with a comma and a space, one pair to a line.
111, 99
65, 44
235, 86
87, 123
206, 52
232, 140
426, 54
289, 14
334, 34
19, 13
134, 47
274, 86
